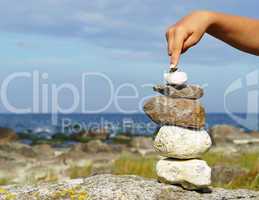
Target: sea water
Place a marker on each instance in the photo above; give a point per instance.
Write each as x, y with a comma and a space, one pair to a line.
138, 124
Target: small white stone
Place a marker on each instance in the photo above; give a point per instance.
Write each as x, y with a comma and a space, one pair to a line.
176, 78
181, 143
172, 66
191, 174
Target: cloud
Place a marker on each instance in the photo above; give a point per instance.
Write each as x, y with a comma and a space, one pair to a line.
125, 26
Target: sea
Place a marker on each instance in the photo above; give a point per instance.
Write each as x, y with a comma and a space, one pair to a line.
115, 123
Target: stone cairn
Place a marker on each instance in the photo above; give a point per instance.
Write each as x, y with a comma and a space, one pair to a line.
181, 138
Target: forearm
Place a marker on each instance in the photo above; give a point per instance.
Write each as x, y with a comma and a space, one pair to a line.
239, 32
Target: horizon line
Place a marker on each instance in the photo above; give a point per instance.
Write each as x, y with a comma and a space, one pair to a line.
81, 113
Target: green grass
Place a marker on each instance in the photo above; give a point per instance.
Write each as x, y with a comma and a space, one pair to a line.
135, 165
145, 166
4, 181
80, 171
249, 162
245, 160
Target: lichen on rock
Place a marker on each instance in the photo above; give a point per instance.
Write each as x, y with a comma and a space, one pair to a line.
112, 187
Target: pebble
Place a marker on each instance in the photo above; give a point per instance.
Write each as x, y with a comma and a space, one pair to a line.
176, 78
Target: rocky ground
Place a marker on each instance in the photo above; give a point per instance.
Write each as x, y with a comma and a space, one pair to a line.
27, 170
111, 187
25, 164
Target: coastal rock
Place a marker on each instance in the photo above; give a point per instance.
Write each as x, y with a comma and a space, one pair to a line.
190, 174
227, 134
142, 142
93, 146
182, 143
180, 112
7, 135
15, 150
44, 151
98, 134
111, 187
223, 174
185, 91
96, 146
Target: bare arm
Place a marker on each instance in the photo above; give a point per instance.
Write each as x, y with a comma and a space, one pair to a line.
239, 32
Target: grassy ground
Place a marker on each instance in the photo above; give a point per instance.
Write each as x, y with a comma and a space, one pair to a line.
247, 175
230, 170
248, 163
135, 165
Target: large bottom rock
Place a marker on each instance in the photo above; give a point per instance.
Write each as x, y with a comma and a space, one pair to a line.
111, 187
182, 143
190, 174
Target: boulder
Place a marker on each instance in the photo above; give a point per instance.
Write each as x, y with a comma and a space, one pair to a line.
97, 134
116, 148
44, 151
96, 146
7, 135
246, 141
18, 150
190, 174
111, 187
254, 134
180, 112
223, 174
142, 143
182, 143
227, 134
185, 91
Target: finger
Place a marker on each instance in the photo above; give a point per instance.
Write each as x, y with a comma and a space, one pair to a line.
176, 47
169, 35
189, 42
170, 45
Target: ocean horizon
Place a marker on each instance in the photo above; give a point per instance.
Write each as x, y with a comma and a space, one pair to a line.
137, 123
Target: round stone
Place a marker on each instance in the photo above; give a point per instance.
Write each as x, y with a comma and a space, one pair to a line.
176, 78
181, 143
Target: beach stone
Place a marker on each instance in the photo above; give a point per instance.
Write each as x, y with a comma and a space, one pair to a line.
176, 77
164, 110
181, 143
185, 91
190, 174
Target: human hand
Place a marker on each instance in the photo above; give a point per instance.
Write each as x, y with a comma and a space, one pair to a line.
186, 33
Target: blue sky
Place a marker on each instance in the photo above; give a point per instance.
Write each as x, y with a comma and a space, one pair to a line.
121, 39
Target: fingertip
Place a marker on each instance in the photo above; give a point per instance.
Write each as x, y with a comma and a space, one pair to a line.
175, 59
172, 61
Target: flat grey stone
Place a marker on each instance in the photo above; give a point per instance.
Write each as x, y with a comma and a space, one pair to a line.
183, 91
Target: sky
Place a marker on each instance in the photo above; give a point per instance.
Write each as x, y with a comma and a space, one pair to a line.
105, 55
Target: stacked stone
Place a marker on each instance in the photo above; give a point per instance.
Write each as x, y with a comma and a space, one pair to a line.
181, 139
